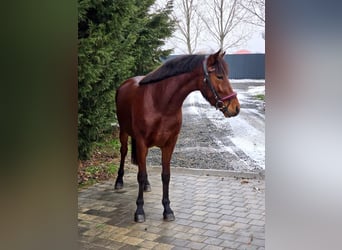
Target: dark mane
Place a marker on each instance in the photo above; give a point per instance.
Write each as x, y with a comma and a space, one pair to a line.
173, 67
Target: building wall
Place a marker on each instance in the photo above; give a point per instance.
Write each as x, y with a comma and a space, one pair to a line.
246, 66
243, 66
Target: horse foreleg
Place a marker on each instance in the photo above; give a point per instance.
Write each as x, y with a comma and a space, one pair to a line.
139, 215
165, 176
123, 153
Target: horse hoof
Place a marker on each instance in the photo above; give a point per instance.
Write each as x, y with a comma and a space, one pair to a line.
139, 218
118, 185
147, 188
169, 217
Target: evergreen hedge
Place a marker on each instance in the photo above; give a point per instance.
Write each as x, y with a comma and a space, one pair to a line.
117, 39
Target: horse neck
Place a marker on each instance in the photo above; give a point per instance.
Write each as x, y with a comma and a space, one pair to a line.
175, 91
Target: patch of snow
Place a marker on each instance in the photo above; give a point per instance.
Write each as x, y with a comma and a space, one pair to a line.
256, 90
247, 80
249, 139
245, 132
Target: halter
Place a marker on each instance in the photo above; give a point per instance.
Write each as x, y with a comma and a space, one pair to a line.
219, 101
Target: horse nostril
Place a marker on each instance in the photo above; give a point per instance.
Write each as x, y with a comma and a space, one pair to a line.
237, 110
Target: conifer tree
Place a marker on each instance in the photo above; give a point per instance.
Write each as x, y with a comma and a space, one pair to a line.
117, 39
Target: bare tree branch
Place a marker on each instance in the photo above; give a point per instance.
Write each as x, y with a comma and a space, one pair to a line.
188, 23
226, 18
257, 9
228, 23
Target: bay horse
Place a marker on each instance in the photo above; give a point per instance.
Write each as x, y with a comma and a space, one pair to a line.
149, 110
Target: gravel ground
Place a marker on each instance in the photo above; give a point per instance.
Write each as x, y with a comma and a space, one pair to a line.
208, 140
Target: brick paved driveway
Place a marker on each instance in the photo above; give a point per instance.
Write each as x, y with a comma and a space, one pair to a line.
214, 210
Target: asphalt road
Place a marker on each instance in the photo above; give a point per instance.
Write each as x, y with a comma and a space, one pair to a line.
208, 140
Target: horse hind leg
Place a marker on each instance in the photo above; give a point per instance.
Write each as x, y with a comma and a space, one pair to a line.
139, 215
123, 153
134, 160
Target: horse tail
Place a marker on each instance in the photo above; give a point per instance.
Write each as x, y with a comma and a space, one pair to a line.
134, 159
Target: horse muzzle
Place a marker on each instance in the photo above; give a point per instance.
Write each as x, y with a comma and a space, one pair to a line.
229, 113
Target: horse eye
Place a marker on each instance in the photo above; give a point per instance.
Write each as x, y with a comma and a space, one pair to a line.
220, 77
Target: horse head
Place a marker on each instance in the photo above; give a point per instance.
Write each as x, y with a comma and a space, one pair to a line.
216, 87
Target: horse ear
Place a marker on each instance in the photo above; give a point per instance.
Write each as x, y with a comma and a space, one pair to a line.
217, 54
223, 53
213, 57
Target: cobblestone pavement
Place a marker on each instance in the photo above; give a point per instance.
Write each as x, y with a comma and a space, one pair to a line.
213, 210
